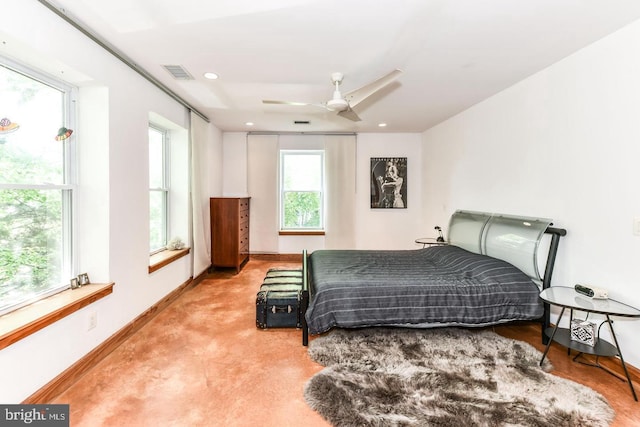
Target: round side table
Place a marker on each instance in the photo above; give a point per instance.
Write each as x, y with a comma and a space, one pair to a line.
430, 241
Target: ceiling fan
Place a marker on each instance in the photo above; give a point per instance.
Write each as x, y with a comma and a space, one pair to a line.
343, 104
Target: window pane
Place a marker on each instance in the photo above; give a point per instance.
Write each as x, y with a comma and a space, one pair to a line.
302, 209
35, 211
158, 235
31, 254
156, 158
158, 195
302, 190
30, 154
302, 172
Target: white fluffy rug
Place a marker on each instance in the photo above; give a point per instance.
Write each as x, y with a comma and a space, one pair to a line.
442, 377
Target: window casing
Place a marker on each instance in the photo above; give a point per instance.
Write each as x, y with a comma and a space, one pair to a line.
158, 188
37, 181
302, 190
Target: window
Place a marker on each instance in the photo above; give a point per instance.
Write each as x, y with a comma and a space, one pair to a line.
301, 190
36, 188
158, 188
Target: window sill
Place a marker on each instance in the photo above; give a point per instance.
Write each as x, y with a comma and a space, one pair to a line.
25, 321
301, 233
159, 260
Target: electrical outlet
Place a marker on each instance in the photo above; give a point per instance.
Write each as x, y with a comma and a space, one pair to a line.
636, 226
93, 320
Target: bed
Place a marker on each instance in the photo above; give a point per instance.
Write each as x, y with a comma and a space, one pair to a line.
487, 274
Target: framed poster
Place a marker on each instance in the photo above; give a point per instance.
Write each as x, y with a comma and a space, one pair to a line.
389, 182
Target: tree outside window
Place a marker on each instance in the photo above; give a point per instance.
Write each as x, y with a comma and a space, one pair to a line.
302, 189
35, 188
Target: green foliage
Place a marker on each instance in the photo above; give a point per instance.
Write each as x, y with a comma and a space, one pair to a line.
30, 233
302, 209
32, 165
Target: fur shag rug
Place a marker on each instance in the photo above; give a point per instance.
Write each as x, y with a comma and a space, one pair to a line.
443, 377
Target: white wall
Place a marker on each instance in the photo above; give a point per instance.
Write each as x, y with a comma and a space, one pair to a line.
112, 195
389, 228
563, 144
376, 228
234, 164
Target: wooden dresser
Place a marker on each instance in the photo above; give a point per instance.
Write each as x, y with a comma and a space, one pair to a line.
229, 231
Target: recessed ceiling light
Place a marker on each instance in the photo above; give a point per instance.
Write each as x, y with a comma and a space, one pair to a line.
211, 76
249, 123
381, 125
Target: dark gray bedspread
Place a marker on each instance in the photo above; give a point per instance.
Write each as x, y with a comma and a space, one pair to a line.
443, 285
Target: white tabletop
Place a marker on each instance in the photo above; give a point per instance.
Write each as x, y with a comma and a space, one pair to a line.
568, 297
430, 241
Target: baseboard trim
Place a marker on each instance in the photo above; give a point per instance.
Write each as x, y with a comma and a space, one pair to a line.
277, 257
76, 371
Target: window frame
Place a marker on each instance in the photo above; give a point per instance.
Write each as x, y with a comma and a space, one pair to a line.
68, 187
165, 189
281, 217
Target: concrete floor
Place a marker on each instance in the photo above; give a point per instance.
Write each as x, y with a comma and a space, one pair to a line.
203, 362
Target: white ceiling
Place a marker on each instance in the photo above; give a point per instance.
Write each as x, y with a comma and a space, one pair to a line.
453, 53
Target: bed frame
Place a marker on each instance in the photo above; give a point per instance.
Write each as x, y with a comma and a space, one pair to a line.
485, 233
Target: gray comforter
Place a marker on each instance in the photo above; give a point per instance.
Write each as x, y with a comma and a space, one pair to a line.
438, 286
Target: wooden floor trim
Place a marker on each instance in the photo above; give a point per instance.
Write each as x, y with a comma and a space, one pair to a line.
277, 257
82, 366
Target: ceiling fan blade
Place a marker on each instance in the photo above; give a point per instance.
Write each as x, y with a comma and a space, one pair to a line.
358, 95
349, 114
269, 101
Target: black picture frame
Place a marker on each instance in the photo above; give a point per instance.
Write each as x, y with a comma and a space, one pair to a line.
389, 183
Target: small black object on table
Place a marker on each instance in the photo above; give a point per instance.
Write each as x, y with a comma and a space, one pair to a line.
566, 297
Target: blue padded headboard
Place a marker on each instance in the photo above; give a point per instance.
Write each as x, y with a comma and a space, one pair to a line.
514, 239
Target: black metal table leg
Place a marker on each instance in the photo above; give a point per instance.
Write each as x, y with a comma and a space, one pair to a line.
553, 334
615, 339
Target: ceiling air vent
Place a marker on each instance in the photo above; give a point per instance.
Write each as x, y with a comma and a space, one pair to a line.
301, 122
178, 72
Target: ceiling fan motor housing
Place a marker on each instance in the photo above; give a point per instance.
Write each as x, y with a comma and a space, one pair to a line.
339, 104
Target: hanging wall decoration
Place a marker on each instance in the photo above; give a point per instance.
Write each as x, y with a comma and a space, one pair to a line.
63, 133
6, 126
388, 182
